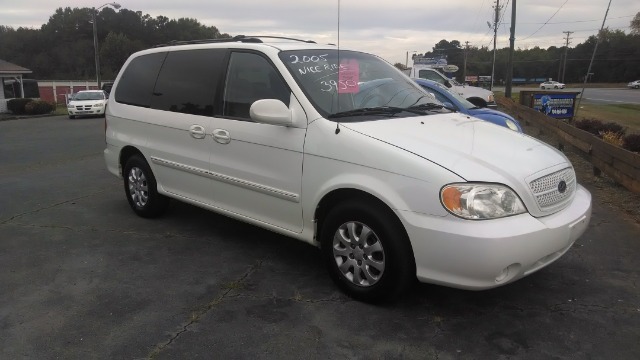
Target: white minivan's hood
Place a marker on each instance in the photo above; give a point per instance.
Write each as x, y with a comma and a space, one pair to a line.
473, 149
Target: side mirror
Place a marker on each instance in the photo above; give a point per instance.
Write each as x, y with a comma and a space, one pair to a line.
271, 111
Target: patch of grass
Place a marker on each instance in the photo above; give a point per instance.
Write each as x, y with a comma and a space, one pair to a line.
627, 115
61, 109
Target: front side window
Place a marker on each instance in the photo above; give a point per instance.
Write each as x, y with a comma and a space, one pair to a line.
188, 81
430, 75
250, 78
345, 81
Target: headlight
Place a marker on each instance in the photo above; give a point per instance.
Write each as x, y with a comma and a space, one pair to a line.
481, 201
512, 125
98, 105
491, 98
70, 106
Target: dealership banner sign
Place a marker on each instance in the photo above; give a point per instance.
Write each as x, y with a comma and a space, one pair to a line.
556, 105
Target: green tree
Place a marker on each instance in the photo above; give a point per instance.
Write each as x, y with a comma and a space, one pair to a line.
114, 51
635, 24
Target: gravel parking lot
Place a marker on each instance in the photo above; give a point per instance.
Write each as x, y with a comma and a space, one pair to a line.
82, 277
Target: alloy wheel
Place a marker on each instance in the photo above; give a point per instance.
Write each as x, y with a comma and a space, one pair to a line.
138, 187
358, 253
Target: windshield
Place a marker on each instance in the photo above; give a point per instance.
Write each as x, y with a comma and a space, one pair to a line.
343, 81
89, 96
452, 93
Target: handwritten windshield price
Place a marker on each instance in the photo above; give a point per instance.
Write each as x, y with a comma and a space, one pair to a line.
340, 86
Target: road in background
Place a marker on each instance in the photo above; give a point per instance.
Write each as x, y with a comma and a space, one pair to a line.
594, 95
82, 277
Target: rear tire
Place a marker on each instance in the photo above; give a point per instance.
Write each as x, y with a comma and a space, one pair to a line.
367, 251
141, 188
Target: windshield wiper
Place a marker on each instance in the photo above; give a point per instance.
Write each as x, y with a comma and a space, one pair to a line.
380, 110
432, 106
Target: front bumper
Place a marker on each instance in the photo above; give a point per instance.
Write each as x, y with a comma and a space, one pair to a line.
92, 111
479, 255
492, 105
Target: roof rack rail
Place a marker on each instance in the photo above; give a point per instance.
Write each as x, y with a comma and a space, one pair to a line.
237, 38
279, 37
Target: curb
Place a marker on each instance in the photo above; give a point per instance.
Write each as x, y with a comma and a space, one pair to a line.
18, 117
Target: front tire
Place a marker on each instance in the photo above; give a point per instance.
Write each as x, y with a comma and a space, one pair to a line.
141, 188
72, 116
367, 251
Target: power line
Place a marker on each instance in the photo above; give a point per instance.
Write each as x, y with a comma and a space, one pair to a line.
543, 25
475, 22
573, 22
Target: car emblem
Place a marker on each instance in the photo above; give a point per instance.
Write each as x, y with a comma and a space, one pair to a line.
562, 186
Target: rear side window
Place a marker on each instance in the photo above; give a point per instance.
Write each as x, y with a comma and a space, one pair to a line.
188, 81
137, 82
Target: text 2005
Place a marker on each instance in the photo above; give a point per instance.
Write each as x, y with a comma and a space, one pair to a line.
339, 85
306, 59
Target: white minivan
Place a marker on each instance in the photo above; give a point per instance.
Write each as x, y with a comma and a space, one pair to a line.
339, 149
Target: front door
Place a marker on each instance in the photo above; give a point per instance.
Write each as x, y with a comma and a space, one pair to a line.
257, 168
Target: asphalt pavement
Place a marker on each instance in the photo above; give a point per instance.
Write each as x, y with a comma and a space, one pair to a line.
82, 277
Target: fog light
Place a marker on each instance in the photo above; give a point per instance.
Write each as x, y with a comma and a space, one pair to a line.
508, 273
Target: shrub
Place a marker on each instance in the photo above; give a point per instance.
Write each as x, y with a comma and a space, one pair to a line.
590, 125
598, 128
632, 142
17, 106
612, 138
38, 107
612, 127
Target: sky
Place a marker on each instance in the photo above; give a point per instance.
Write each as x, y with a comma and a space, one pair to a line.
390, 29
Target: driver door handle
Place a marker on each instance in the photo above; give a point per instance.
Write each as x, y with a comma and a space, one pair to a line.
197, 132
221, 136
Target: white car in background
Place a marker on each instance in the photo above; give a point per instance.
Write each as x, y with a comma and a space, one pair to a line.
87, 103
634, 84
551, 85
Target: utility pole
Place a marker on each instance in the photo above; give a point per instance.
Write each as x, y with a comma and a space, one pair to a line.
495, 35
512, 39
464, 67
595, 49
566, 49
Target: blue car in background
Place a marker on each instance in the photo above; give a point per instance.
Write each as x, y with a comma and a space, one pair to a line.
454, 101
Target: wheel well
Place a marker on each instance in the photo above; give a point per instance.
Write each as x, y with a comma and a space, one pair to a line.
126, 153
477, 101
335, 197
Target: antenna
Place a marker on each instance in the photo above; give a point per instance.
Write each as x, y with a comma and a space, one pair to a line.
338, 31
338, 95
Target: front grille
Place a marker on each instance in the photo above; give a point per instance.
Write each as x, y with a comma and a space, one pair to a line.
546, 189
83, 107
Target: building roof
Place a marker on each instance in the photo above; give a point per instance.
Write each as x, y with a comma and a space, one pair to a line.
9, 68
